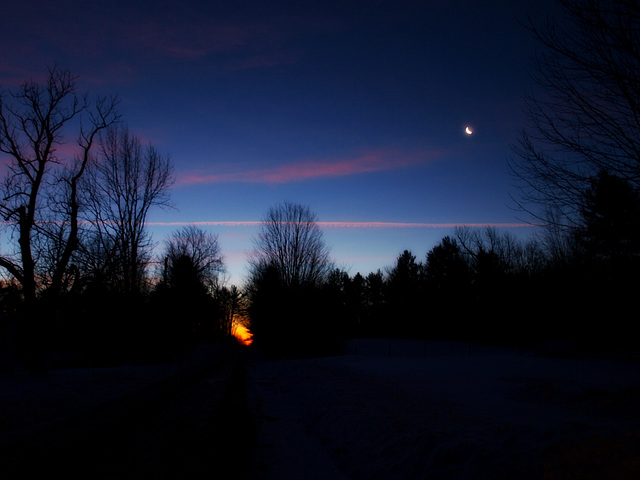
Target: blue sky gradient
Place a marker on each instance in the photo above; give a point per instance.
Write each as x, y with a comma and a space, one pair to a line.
356, 109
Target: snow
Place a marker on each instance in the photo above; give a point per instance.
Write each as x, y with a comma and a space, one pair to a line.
434, 410
30, 403
391, 409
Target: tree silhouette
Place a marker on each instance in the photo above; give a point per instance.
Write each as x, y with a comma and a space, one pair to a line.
504, 274
185, 276
40, 195
273, 316
190, 299
184, 310
201, 247
40, 201
605, 267
404, 286
376, 321
291, 243
288, 267
230, 303
611, 220
343, 298
585, 120
355, 304
124, 182
446, 268
448, 284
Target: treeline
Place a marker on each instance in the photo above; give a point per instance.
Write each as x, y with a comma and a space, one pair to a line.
486, 286
577, 285
96, 322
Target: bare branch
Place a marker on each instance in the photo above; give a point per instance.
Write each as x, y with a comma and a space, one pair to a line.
291, 242
43, 213
587, 117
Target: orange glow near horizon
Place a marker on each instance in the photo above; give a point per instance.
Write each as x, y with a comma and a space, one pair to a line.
242, 333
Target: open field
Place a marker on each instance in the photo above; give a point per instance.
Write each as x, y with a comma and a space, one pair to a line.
385, 409
402, 410
174, 420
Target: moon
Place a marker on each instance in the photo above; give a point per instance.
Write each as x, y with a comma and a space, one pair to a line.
468, 130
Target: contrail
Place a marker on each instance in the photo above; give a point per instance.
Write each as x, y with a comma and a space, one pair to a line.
354, 225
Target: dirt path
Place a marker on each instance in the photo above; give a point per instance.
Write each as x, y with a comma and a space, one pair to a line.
192, 428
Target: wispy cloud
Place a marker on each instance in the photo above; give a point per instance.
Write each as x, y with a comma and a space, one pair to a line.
369, 161
198, 33
193, 39
106, 40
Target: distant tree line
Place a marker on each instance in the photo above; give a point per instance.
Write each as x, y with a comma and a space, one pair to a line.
478, 285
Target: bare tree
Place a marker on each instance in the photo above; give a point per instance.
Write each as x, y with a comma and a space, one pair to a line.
500, 250
587, 117
123, 183
289, 264
40, 194
291, 243
202, 248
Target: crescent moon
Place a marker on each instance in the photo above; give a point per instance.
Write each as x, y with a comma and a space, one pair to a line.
468, 131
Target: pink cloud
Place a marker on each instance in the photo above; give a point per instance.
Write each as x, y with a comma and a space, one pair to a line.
100, 36
253, 43
189, 42
265, 60
109, 73
12, 76
372, 161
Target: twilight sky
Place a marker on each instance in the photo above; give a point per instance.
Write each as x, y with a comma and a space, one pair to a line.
356, 109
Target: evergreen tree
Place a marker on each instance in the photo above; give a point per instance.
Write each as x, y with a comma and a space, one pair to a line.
611, 219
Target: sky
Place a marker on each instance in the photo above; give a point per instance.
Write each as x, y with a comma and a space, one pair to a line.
356, 109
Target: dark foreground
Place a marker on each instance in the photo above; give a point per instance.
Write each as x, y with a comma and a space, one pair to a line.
444, 413
189, 425
447, 413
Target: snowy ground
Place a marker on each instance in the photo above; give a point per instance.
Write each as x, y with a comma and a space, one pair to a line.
30, 403
396, 410
403, 410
